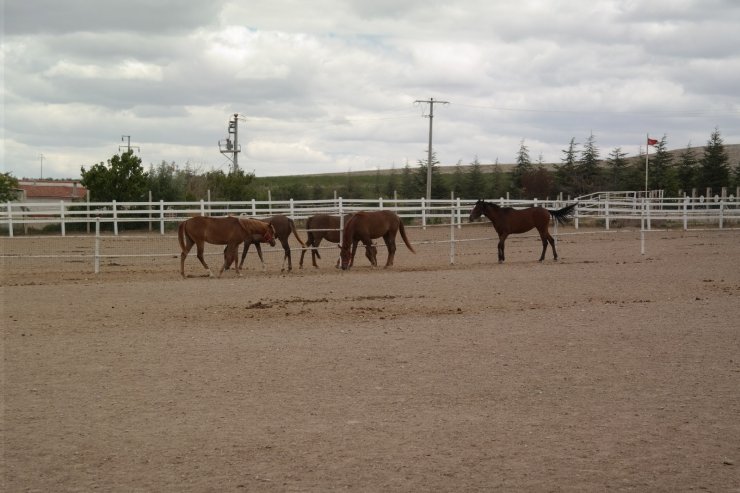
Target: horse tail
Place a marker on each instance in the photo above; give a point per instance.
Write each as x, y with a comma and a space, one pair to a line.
295, 233
562, 215
402, 229
181, 235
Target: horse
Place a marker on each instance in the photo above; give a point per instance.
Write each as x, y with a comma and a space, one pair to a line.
283, 226
227, 230
365, 227
507, 220
324, 226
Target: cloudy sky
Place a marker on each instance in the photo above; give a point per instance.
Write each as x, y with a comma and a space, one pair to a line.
330, 85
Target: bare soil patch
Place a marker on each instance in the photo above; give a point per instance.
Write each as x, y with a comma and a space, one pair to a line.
606, 370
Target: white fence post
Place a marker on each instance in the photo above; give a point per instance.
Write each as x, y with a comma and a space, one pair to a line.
685, 213
606, 213
452, 235
61, 217
292, 209
721, 213
254, 207
115, 219
10, 219
96, 262
459, 214
150, 211
161, 216
423, 213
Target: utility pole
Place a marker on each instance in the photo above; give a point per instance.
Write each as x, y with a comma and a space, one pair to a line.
128, 146
431, 102
41, 157
230, 146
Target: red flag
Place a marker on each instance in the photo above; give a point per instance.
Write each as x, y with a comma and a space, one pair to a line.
652, 142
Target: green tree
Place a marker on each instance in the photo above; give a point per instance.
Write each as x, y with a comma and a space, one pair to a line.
617, 166
166, 182
686, 170
409, 187
566, 176
123, 179
537, 183
499, 182
458, 180
714, 170
391, 186
587, 167
8, 187
660, 173
439, 189
475, 186
522, 167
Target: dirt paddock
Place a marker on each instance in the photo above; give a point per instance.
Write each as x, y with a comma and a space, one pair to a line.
606, 370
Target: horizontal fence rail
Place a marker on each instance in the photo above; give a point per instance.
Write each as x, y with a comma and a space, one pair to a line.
106, 234
17, 218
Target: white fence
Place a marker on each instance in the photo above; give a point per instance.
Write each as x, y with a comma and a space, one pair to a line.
130, 229
606, 208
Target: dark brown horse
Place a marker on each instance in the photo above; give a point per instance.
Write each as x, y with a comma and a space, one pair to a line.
507, 220
227, 230
365, 227
283, 226
324, 226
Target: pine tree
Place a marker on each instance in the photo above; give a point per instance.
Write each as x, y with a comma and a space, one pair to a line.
458, 180
522, 167
475, 183
660, 174
617, 166
588, 167
687, 168
714, 169
439, 189
409, 189
566, 177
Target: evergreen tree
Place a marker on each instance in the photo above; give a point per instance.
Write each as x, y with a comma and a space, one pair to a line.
498, 181
391, 185
617, 165
566, 176
522, 167
166, 182
660, 174
123, 179
458, 180
588, 167
475, 187
409, 188
714, 171
687, 168
439, 189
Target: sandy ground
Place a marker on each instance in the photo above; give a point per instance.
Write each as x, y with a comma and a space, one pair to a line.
608, 370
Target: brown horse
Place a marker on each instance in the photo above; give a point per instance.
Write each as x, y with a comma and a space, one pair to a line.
283, 226
226, 230
507, 220
365, 227
324, 226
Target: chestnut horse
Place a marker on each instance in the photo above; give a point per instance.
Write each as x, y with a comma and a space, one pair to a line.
324, 226
283, 226
227, 230
507, 220
365, 227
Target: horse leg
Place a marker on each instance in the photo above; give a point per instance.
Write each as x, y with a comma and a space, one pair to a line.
286, 256
552, 244
247, 243
200, 247
352, 256
501, 240
259, 252
315, 251
231, 255
390, 242
188, 245
544, 245
372, 255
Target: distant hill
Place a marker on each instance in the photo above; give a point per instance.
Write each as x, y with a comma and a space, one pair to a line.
732, 150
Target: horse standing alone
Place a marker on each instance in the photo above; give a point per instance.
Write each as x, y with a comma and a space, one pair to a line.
507, 220
365, 227
227, 230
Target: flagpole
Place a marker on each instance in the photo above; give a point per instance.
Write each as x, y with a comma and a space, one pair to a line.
647, 153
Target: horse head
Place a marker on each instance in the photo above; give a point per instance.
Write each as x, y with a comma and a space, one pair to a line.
269, 235
477, 211
345, 255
